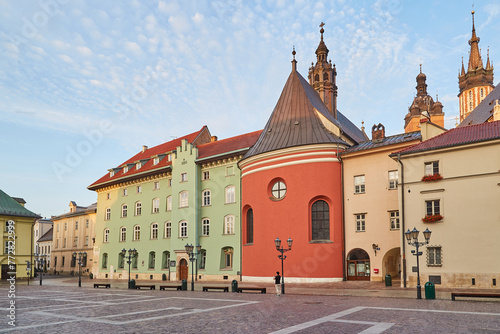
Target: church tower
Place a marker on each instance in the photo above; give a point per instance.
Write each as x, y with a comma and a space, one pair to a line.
322, 76
423, 106
477, 82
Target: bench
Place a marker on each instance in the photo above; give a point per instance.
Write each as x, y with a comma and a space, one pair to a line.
474, 295
104, 285
178, 287
223, 288
151, 287
262, 290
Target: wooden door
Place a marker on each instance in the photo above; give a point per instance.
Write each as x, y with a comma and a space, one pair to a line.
183, 269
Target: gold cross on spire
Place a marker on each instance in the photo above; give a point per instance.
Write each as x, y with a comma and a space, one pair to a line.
322, 24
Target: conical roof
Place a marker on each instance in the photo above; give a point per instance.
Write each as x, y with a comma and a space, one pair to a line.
294, 121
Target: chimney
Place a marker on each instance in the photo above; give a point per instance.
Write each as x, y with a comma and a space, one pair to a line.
213, 138
378, 132
144, 148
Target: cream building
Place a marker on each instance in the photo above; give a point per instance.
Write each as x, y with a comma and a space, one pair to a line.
372, 218
73, 232
451, 185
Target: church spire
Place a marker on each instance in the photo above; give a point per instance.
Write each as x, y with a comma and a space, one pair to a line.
475, 60
463, 69
322, 50
488, 66
294, 62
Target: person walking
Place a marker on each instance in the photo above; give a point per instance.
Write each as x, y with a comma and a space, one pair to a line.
277, 283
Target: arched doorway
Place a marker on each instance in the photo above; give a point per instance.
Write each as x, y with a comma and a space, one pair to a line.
392, 263
358, 265
183, 269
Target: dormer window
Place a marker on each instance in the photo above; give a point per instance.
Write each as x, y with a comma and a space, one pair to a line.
169, 157
125, 169
112, 173
138, 166
156, 161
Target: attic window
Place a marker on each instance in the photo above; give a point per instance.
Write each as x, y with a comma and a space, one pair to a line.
112, 173
156, 160
138, 166
169, 157
125, 169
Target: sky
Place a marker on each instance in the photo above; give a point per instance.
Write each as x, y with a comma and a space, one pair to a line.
84, 84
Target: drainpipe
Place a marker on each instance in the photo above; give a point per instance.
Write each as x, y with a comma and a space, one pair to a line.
343, 215
403, 218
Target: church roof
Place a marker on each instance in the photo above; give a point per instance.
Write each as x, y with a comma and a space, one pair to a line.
294, 122
484, 110
10, 207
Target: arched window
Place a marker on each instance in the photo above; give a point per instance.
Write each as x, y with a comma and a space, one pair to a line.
482, 93
320, 221
168, 229
108, 214
124, 210
138, 208
156, 205
206, 198
169, 203
227, 258
165, 260
183, 199
152, 259
205, 227
120, 260
250, 226
230, 194
123, 234
325, 76
203, 259
137, 233
106, 235
104, 260
316, 77
135, 259
183, 229
154, 231
229, 224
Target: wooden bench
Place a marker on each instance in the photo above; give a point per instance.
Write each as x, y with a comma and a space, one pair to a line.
262, 290
223, 288
104, 285
474, 295
178, 287
151, 287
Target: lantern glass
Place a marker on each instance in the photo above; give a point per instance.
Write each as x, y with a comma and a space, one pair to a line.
277, 242
427, 235
414, 234
124, 251
198, 248
408, 235
289, 242
189, 248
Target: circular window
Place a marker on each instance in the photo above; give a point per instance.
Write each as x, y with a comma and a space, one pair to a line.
278, 190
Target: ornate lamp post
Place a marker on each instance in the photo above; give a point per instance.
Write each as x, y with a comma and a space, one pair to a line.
131, 254
192, 257
412, 239
81, 255
40, 259
282, 256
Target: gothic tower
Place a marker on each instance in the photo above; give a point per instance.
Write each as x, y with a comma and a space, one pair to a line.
477, 82
323, 76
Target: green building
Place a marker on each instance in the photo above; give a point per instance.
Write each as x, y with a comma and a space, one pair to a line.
185, 191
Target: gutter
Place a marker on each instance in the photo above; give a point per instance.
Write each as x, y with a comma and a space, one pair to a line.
344, 260
403, 218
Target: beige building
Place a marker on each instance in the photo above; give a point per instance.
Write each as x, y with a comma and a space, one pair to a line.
451, 186
372, 219
73, 232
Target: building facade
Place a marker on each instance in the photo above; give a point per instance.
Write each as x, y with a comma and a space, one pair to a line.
73, 233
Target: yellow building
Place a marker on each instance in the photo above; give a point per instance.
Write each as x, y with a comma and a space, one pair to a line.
451, 186
17, 229
73, 232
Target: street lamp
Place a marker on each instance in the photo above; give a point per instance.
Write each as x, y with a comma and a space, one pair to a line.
282, 250
192, 257
412, 239
131, 254
80, 263
40, 260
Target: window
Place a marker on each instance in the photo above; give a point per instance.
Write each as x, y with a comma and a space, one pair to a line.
112, 173
120, 260
125, 169
55, 262
250, 226
432, 207
156, 205
434, 256
360, 222
206, 197
73, 260
165, 260
138, 208
137, 233
205, 175
169, 203
470, 106
84, 260
168, 229
57, 243
76, 242
230, 195
320, 221
183, 199
106, 235
393, 179
229, 225
203, 259
86, 240
205, 227
138, 166
156, 185
108, 196
152, 259
135, 260
108, 214
227, 258
65, 243
169, 157
394, 220
183, 229
359, 184
124, 210
87, 224
184, 177
470, 95
76, 226
278, 190
125, 192
169, 182
62, 262
139, 189
229, 170
105, 260
431, 168
481, 92
156, 160
154, 231
65, 226
123, 234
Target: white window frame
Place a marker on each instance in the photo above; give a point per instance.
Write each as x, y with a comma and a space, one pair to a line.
394, 220
360, 222
433, 207
431, 168
138, 166
359, 184
154, 231
156, 205
107, 215
156, 161
183, 199
125, 192
124, 210
139, 189
169, 203
86, 241
434, 256
123, 234
393, 179
138, 208
229, 223
278, 190
184, 177
205, 227
156, 185
106, 236
137, 232
183, 229
205, 175
207, 198
230, 194
125, 169
168, 230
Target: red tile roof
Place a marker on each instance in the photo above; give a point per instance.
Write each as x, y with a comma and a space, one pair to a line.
232, 144
457, 136
148, 166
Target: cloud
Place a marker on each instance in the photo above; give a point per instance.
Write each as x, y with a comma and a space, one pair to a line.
179, 23
198, 18
84, 51
134, 48
66, 59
